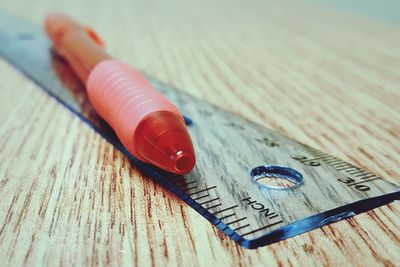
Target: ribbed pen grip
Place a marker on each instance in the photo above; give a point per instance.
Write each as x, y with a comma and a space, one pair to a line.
123, 97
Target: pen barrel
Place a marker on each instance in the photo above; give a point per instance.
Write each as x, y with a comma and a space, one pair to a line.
123, 97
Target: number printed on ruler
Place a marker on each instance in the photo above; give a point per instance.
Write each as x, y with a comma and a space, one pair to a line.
355, 177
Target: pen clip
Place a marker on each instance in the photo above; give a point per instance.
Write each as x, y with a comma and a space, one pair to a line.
94, 36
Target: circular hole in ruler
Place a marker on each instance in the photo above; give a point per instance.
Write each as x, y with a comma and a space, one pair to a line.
276, 177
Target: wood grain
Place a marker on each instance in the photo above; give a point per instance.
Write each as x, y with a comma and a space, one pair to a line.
327, 78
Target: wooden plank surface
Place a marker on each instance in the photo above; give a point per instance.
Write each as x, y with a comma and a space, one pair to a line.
325, 77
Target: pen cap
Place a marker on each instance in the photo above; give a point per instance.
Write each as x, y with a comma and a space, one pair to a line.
57, 24
78, 44
147, 124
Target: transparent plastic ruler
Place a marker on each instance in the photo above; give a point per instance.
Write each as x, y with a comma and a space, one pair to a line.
236, 158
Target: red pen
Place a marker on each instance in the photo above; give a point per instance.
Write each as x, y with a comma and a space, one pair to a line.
147, 124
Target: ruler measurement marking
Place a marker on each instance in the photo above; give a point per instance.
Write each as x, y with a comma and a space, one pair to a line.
347, 168
208, 201
241, 227
364, 173
227, 216
233, 207
235, 221
206, 189
189, 188
341, 165
324, 156
331, 160
364, 181
262, 228
336, 162
317, 158
212, 207
200, 197
355, 171
319, 154
367, 176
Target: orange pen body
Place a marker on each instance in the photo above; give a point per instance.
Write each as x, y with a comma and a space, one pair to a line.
147, 124
79, 45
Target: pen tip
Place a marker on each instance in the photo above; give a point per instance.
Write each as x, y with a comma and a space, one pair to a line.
163, 140
183, 162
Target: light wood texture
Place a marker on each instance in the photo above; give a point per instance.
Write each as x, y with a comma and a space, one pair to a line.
322, 76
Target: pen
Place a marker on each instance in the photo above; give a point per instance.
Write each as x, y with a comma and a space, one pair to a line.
146, 123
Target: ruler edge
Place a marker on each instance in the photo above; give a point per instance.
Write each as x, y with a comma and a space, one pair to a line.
266, 239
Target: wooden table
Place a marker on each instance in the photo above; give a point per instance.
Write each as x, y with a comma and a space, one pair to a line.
324, 76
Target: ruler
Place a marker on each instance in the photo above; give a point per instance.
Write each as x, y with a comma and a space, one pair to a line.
254, 184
